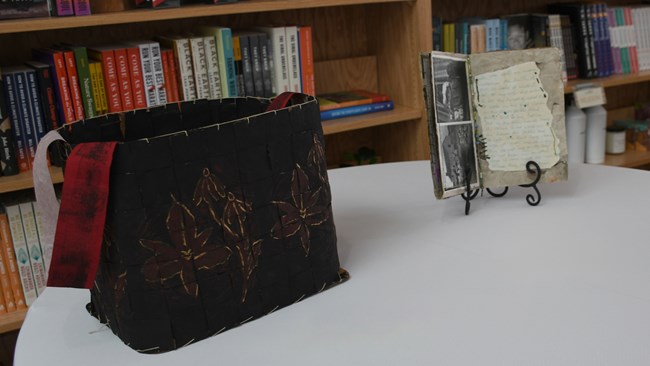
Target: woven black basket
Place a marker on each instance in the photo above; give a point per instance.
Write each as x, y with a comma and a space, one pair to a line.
218, 213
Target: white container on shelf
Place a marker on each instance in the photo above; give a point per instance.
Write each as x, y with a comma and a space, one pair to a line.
576, 125
596, 134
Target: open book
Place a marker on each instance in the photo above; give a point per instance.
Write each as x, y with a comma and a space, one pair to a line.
491, 113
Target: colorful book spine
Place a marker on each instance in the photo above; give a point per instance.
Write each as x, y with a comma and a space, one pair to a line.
8, 159
356, 110
73, 81
99, 91
614, 40
61, 84
83, 71
106, 57
199, 65
81, 7
629, 23
185, 71
226, 55
45, 248
136, 77
27, 114
293, 57
248, 82
124, 79
9, 257
281, 82
22, 254
173, 76
33, 246
22, 157
7, 293
212, 63
158, 75
167, 71
62, 8
239, 67
307, 60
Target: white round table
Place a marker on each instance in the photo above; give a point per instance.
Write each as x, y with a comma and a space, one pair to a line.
563, 283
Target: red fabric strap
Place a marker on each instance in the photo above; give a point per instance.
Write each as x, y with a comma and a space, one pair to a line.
280, 101
80, 226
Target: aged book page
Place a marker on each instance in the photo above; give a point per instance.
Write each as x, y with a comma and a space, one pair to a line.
518, 99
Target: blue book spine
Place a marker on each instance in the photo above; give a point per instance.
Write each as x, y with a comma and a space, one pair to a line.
16, 117
356, 110
504, 33
606, 39
226, 35
34, 97
27, 114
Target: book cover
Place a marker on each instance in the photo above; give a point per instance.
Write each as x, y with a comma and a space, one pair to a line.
520, 31
62, 92
148, 75
9, 88
306, 48
185, 70
33, 246
62, 8
106, 56
134, 65
349, 98
22, 254
212, 65
239, 65
13, 9
279, 54
81, 7
8, 159
483, 134
199, 65
9, 258
356, 110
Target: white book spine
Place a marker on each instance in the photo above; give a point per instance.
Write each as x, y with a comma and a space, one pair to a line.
158, 73
33, 246
148, 75
186, 73
280, 68
212, 61
22, 255
200, 68
46, 248
293, 56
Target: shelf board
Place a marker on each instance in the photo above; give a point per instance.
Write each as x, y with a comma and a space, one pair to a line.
614, 80
12, 321
399, 114
186, 11
629, 159
24, 180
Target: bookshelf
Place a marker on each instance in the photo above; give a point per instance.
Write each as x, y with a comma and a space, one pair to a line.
370, 44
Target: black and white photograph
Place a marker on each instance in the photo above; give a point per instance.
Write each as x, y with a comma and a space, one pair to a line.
451, 90
457, 156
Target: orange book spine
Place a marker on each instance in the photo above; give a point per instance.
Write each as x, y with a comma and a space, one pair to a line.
111, 83
124, 79
3, 307
307, 60
7, 294
66, 99
137, 81
73, 81
12, 267
171, 58
168, 85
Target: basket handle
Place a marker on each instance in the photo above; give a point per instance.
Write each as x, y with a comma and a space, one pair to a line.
82, 214
280, 101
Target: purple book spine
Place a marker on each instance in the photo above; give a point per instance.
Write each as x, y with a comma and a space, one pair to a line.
63, 8
81, 7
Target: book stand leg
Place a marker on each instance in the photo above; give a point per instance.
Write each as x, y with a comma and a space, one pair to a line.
532, 167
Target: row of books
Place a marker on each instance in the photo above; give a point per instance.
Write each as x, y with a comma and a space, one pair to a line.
23, 274
66, 83
163, 4
595, 40
352, 103
13, 9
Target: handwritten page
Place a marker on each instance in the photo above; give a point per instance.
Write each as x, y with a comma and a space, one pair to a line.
515, 118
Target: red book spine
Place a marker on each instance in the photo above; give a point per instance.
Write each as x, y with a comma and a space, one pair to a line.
307, 60
634, 61
137, 81
123, 78
61, 74
111, 83
73, 81
165, 65
173, 79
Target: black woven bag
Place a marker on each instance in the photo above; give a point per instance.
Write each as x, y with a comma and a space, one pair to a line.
218, 212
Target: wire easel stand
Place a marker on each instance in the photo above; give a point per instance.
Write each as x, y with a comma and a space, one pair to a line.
531, 167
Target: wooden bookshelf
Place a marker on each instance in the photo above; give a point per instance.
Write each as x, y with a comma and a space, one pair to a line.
24, 180
12, 321
629, 159
399, 114
611, 81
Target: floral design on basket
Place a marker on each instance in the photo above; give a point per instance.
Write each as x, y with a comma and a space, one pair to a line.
229, 211
189, 250
303, 213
